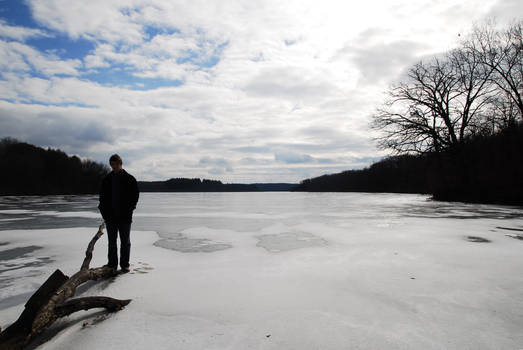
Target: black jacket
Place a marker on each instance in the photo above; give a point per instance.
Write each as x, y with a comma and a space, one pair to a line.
128, 198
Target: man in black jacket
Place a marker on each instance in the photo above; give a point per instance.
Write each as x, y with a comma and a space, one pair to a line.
118, 197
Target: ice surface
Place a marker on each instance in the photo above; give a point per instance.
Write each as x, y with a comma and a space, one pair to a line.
288, 241
300, 271
191, 245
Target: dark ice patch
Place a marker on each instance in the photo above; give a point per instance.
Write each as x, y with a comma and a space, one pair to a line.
510, 228
40, 261
34, 219
476, 239
286, 241
44, 222
15, 253
515, 236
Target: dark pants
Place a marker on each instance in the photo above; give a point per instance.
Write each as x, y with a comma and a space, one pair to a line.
125, 244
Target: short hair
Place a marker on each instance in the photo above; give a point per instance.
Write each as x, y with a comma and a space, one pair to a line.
116, 158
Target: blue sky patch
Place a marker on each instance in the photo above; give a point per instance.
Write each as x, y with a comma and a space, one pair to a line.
152, 31
120, 75
16, 13
62, 46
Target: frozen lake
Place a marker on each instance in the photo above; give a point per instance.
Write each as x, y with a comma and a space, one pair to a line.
281, 270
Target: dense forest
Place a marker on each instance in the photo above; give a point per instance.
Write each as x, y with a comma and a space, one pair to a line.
454, 122
29, 170
487, 169
399, 174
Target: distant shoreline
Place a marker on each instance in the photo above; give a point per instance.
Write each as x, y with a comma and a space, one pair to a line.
197, 185
473, 173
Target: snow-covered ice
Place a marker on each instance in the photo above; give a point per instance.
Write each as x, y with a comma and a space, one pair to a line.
280, 271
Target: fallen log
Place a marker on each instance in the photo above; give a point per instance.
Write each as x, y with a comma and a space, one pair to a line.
50, 302
87, 303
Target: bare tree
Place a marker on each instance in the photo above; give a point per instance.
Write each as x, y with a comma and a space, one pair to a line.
415, 117
502, 51
502, 113
441, 103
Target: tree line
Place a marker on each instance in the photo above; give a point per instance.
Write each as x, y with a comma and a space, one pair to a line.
204, 185
193, 185
453, 124
487, 169
29, 170
26, 169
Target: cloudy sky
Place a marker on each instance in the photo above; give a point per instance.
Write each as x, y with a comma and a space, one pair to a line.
239, 91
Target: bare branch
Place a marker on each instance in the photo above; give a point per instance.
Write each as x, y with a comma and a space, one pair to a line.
446, 100
79, 304
90, 247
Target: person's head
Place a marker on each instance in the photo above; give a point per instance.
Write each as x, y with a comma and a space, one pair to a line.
116, 162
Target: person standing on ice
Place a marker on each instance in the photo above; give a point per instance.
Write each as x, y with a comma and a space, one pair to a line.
118, 197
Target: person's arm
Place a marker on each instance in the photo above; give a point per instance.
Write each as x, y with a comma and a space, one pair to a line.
135, 192
103, 200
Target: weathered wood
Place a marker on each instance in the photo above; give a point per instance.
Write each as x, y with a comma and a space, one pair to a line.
78, 304
47, 315
18, 331
90, 247
50, 302
42, 296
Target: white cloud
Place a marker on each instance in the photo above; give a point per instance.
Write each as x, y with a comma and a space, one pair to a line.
17, 56
52, 126
293, 158
383, 62
95, 61
110, 21
290, 83
166, 56
11, 60
215, 166
20, 33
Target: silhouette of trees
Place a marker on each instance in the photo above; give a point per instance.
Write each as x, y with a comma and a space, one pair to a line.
502, 51
438, 106
29, 170
204, 185
397, 174
474, 89
193, 185
486, 169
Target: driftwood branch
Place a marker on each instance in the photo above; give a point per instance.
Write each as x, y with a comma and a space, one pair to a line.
50, 301
79, 304
90, 247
